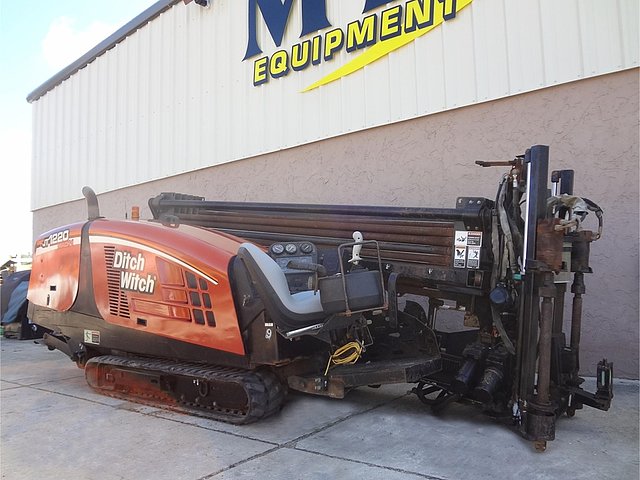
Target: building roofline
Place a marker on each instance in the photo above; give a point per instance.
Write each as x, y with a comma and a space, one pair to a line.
107, 44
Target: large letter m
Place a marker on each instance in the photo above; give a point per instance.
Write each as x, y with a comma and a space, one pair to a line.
275, 14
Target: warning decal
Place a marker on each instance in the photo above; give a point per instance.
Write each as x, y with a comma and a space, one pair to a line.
466, 249
459, 257
473, 257
461, 238
92, 336
474, 239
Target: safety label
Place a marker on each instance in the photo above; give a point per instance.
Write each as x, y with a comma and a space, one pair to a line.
459, 256
92, 336
473, 257
466, 249
474, 239
461, 238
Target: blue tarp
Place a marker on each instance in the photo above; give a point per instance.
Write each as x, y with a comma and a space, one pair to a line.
18, 297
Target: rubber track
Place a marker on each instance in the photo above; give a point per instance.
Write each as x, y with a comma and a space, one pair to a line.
264, 390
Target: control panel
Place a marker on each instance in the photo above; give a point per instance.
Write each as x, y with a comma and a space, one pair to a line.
299, 252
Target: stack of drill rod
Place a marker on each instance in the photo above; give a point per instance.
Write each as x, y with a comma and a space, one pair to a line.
412, 235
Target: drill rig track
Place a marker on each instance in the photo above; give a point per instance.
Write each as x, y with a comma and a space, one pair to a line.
218, 393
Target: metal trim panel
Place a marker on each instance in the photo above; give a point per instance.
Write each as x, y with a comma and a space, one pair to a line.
176, 97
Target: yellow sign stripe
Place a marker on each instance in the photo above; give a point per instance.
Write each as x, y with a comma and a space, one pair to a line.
383, 48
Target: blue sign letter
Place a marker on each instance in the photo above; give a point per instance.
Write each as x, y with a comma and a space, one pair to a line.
276, 14
371, 4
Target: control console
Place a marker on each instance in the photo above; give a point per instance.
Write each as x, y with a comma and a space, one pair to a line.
299, 252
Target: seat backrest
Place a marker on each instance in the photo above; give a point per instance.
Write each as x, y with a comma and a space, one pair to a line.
301, 307
270, 269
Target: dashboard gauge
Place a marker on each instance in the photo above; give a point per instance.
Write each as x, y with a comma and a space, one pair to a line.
306, 248
291, 248
277, 248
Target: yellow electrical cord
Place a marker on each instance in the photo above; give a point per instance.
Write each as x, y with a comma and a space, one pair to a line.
346, 354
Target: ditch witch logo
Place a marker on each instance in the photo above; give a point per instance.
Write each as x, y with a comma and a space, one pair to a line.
130, 279
383, 32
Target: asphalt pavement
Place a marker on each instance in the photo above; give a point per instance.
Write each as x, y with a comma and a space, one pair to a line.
53, 426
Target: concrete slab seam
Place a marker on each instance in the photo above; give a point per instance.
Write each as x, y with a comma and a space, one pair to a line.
241, 462
12, 388
288, 443
71, 396
17, 385
157, 415
17, 382
369, 464
291, 444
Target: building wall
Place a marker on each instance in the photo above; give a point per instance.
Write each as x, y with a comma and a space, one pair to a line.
590, 125
176, 96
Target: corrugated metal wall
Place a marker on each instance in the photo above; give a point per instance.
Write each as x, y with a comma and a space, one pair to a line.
176, 96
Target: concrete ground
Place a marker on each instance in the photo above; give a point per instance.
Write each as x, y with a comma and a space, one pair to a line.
53, 426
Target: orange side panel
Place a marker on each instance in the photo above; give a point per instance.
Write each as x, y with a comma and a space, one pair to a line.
56, 268
174, 295
170, 273
161, 309
167, 281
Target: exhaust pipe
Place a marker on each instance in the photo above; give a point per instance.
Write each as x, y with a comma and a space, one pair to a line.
93, 209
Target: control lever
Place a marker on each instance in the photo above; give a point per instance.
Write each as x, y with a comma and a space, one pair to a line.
355, 255
317, 269
309, 267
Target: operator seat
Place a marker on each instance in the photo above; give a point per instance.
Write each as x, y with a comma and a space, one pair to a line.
289, 311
